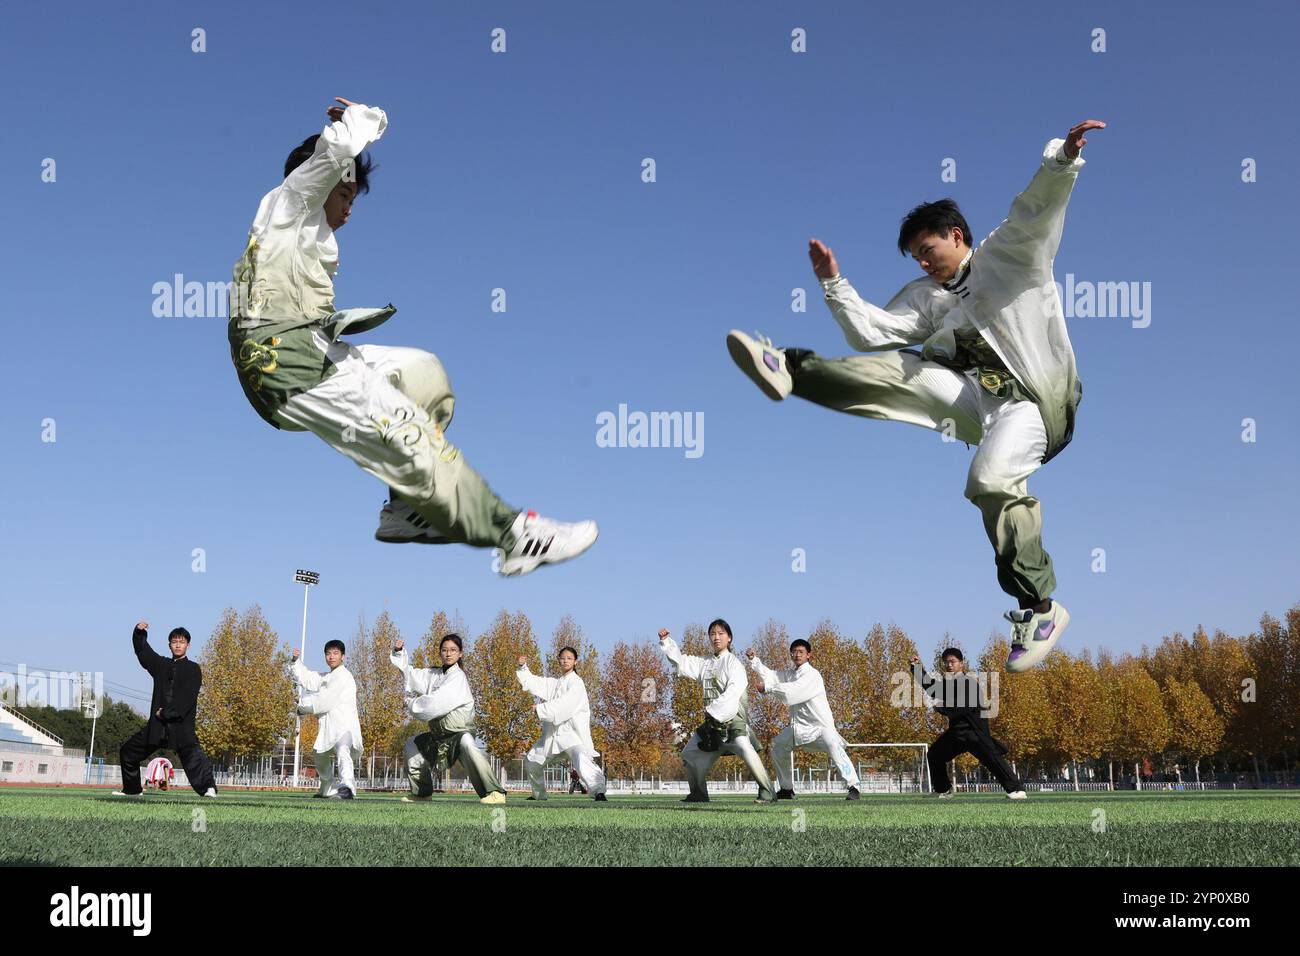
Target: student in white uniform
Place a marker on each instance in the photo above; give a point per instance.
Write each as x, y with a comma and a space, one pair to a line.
812, 727
725, 731
995, 368
565, 713
387, 409
443, 697
332, 698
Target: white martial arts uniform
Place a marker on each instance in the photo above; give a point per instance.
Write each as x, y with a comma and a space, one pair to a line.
332, 698
565, 713
443, 697
386, 409
726, 700
812, 727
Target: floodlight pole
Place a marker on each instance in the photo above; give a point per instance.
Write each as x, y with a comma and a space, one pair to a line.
94, 718
306, 579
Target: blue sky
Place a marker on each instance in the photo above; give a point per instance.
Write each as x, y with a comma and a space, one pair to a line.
522, 171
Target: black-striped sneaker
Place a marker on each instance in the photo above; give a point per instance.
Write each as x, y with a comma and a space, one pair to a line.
541, 541
399, 523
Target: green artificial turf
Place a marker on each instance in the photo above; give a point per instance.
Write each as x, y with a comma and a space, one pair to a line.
90, 827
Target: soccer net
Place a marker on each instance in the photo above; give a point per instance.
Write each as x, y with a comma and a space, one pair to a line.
881, 767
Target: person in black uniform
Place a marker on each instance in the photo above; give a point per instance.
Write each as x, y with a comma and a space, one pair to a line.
176, 683
958, 698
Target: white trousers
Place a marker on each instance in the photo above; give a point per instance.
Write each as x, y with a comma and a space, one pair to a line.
387, 409
699, 763
830, 742
334, 768
589, 772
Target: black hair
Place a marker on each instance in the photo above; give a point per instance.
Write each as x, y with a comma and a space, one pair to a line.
953, 652
361, 167
800, 642
455, 639
181, 631
570, 650
722, 624
339, 644
932, 219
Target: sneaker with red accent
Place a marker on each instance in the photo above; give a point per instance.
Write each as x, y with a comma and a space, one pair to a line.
541, 541
1033, 635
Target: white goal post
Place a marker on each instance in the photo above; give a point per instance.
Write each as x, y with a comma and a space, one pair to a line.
923, 769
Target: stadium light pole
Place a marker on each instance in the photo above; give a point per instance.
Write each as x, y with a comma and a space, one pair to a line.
89, 708
306, 579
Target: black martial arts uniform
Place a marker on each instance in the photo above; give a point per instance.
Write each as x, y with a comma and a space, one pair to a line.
176, 683
957, 698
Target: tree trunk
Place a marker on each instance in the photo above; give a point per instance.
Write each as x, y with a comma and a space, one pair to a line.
1110, 770
1137, 774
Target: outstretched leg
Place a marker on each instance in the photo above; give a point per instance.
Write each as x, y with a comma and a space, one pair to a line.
889, 386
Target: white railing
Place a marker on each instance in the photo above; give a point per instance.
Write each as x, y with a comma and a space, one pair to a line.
31, 723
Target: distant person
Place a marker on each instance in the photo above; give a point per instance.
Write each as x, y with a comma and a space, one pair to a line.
812, 727
957, 696
332, 698
565, 715
176, 684
443, 697
725, 730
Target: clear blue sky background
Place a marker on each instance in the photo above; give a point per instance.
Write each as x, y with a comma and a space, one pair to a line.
522, 171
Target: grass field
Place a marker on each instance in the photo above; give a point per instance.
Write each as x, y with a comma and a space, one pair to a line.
89, 827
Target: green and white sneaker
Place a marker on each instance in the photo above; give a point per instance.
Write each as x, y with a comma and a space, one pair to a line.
1033, 635
763, 362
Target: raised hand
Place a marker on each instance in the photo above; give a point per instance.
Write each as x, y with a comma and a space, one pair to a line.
398, 644
336, 112
295, 653
663, 634
523, 661
749, 652
142, 625
823, 260
1075, 141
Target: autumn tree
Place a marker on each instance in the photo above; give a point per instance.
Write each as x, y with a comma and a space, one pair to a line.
246, 702
380, 688
1141, 727
1084, 721
632, 710
507, 721
1195, 729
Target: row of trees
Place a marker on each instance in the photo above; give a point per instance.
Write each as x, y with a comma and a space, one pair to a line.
1228, 702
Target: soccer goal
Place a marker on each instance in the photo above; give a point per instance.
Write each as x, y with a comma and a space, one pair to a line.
881, 767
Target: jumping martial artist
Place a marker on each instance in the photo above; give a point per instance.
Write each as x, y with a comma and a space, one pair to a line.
385, 408
995, 369
812, 727
725, 730
565, 713
176, 684
442, 696
957, 696
332, 697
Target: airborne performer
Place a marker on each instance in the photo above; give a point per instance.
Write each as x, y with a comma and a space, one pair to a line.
995, 366
385, 408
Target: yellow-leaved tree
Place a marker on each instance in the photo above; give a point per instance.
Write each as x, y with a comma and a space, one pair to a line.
246, 702
506, 719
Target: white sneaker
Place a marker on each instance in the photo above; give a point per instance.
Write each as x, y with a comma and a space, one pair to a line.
496, 796
762, 362
1033, 635
540, 540
211, 792
123, 793
399, 523
1017, 795
413, 798
943, 794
